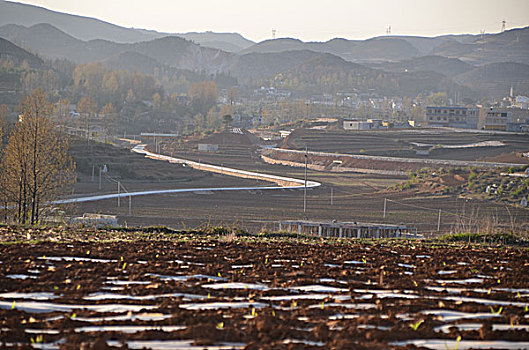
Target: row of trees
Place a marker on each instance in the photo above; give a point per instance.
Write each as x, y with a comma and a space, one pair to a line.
35, 166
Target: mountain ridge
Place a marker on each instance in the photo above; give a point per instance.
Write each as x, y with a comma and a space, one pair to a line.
88, 28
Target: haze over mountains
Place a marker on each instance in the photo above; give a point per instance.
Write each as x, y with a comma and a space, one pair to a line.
86, 29
478, 64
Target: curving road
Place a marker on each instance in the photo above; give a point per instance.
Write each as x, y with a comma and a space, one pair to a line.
281, 181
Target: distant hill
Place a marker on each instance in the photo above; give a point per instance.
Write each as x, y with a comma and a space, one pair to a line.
133, 61
352, 50
229, 42
446, 66
83, 28
17, 55
512, 45
180, 53
173, 79
87, 29
509, 46
172, 51
15, 62
381, 49
51, 42
254, 67
276, 45
496, 79
427, 45
331, 74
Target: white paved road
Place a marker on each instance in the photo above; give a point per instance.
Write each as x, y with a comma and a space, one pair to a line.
293, 183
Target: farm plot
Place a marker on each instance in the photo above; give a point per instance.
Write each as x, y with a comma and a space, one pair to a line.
222, 293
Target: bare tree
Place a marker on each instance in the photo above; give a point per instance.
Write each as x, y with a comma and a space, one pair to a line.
36, 166
87, 107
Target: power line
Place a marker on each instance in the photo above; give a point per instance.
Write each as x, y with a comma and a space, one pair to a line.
429, 209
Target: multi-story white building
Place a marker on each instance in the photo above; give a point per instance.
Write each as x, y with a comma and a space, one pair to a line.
452, 117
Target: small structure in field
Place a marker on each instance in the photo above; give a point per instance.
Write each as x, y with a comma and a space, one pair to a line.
96, 220
208, 147
349, 229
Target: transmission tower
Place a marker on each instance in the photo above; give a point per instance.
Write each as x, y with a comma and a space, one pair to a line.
388, 30
274, 33
503, 23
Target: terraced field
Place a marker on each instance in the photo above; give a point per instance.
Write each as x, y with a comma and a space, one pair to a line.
445, 144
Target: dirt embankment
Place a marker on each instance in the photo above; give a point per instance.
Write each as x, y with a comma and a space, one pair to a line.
340, 163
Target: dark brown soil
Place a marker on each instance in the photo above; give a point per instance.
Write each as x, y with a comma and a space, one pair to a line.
382, 290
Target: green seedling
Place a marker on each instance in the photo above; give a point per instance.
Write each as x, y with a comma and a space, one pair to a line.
13, 305
266, 261
499, 281
364, 260
416, 325
121, 258
78, 287
220, 325
458, 340
55, 288
124, 265
301, 264
273, 313
496, 312
219, 274
37, 340
254, 313
518, 295
322, 305
526, 308
74, 315
209, 295
415, 284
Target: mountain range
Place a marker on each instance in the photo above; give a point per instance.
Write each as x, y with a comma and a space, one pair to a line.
87, 29
485, 64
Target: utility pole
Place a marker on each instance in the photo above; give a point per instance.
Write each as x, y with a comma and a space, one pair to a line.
99, 178
93, 171
119, 203
332, 195
503, 23
305, 188
439, 221
130, 204
385, 200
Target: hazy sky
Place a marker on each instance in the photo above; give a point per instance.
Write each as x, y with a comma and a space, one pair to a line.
307, 20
